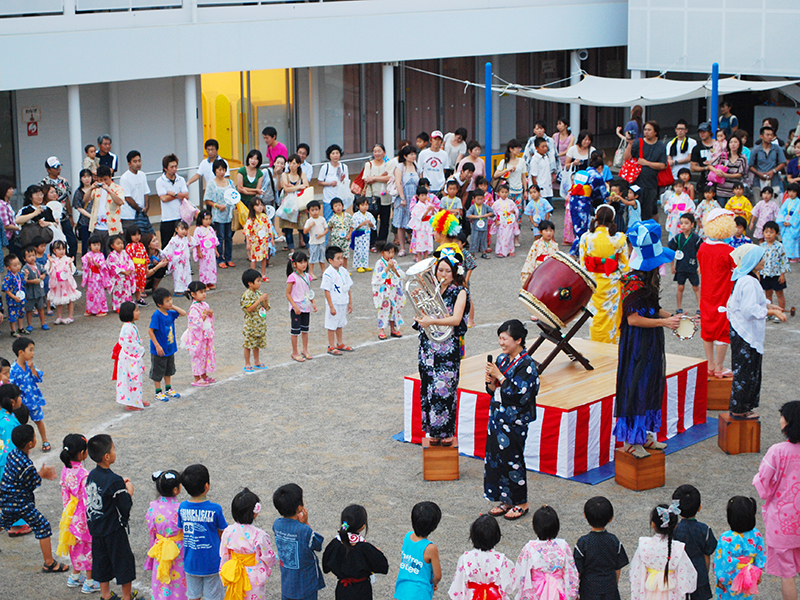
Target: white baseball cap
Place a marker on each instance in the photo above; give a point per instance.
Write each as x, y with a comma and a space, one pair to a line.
52, 162
438, 134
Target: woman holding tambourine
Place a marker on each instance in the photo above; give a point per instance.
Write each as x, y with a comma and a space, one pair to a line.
641, 367
513, 382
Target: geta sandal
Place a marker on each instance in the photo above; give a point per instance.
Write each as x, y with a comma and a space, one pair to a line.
499, 510
516, 512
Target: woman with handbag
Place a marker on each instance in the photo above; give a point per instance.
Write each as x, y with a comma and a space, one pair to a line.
376, 175
650, 154
735, 172
293, 181
406, 180
34, 218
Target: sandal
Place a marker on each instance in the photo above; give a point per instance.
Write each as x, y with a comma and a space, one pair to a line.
745, 416
381, 336
261, 366
397, 334
343, 348
133, 408
435, 441
55, 567
334, 351
222, 265
516, 512
636, 450
24, 530
46, 447
306, 355
298, 358
248, 369
499, 510
447, 442
726, 374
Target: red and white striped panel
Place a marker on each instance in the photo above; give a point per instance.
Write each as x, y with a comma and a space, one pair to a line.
566, 442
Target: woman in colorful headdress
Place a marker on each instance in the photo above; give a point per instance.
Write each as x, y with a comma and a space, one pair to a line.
588, 188
445, 230
440, 362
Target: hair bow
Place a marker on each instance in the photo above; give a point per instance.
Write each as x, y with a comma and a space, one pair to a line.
157, 474
664, 513
257, 508
169, 475
345, 525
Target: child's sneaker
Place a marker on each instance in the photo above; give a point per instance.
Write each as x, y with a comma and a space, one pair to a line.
172, 393
162, 397
679, 311
74, 582
90, 587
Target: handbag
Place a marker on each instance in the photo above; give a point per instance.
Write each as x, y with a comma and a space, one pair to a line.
714, 177
631, 169
358, 185
30, 230
619, 155
498, 180
304, 197
666, 178
343, 191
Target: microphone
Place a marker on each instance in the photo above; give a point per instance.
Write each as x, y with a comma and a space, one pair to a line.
489, 358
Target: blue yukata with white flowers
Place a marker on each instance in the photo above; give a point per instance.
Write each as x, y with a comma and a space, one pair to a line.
513, 408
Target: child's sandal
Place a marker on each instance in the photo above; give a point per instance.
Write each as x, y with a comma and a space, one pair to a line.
334, 351
46, 447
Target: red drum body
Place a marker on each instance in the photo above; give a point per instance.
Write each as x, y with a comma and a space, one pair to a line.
558, 290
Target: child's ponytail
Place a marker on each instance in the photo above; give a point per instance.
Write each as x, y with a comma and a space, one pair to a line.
354, 517
73, 444
665, 519
8, 393
167, 483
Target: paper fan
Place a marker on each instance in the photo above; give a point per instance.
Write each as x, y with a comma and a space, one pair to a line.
56, 208
270, 212
232, 197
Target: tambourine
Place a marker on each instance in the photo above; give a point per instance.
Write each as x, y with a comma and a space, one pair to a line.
270, 212
686, 329
231, 196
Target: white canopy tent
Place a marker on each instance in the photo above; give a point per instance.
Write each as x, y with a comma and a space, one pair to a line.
607, 91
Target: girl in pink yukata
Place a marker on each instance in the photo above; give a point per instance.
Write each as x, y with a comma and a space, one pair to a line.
778, 484
245, 550
483, 572
506, 212
165, 557
129, 355
121, 271
545, 569
73, 536
420, 223
204, 251
95, 278
199, 336
63, 288
178, 252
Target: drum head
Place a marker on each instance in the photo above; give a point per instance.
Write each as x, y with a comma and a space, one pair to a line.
573, 264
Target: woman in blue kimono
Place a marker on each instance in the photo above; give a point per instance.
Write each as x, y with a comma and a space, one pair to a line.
513, 382
588, 191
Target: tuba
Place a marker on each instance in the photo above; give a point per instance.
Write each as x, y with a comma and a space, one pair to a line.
422, 289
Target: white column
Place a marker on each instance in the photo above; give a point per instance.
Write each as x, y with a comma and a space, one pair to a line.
75, 141
69, 7
388, 108
192, 145
113, 118
315, 90
574, 79
637, 74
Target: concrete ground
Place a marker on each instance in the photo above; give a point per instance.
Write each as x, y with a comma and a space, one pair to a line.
327, 425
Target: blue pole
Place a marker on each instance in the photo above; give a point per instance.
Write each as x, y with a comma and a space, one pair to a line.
488, 116
714, 98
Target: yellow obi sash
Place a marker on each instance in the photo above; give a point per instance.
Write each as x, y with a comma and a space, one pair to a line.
655, 581
164, 551
139, 261
65, 538
234, 575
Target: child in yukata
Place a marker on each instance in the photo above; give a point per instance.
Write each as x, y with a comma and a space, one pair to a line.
177, 252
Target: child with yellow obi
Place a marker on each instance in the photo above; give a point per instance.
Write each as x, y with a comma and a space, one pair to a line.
165, 557
247, 556
604, 253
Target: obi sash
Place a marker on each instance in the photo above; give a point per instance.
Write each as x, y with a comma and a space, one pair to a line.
66, 540
115, 357
351, 580
357, 234
234, 575
747, 576
549, 585
484, 591
655, 581
139, 261
165, 551
596, 264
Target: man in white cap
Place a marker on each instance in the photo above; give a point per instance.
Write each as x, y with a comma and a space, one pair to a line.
433, 161
53, 167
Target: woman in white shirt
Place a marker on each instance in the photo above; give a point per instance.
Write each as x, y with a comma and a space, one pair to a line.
580, 152
456, 148
330, 175
376, 174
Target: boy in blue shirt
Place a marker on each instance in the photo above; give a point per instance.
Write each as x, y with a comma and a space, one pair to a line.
202, 523
296, 543
163, 345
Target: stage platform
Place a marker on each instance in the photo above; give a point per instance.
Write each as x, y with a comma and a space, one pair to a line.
575, 408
